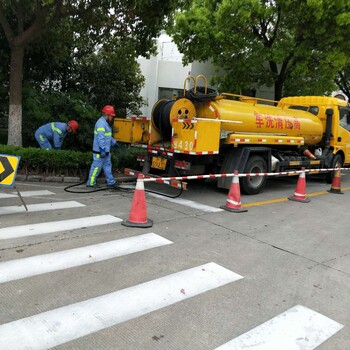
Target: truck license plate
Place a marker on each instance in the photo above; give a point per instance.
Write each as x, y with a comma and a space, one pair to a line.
158, 163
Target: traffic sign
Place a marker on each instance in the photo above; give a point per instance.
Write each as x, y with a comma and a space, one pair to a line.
8, 169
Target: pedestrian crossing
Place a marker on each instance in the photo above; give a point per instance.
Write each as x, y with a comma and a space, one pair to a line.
56, 226
27, 194
42, 331
188, 203
40, 207
36, 265
296, 328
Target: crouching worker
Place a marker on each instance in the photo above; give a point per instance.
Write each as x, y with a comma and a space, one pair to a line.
103, 142
51, 135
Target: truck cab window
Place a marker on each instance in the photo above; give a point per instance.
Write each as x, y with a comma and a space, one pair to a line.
344, 118
311, 109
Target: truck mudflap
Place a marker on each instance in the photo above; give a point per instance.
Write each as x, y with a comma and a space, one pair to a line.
173, 183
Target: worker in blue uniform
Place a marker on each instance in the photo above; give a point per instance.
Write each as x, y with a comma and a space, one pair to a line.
102, 144
51, 135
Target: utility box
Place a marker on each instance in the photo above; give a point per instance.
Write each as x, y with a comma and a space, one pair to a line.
196, 136
133, 130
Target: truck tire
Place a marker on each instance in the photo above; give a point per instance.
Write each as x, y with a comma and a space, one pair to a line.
254, 184
337, 161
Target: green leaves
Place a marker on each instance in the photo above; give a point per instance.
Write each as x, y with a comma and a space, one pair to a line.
80, 47
293, 45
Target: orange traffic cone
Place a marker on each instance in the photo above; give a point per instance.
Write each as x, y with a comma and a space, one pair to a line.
138, 211
233, 202
300, 191
335, 188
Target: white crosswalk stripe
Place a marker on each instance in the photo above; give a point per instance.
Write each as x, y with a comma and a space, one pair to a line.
294, 329
70, 322
188, 203
40, 207
27, 194
297, 328
56, 226
36, 265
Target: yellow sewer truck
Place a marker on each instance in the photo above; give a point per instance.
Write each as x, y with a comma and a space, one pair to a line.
204, 133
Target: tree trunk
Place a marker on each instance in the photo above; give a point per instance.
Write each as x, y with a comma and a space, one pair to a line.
15, 98
278, 90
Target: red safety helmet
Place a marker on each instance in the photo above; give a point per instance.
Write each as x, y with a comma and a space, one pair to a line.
108, 110
74, 125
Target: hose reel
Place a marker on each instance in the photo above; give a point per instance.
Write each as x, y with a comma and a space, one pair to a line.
165, 111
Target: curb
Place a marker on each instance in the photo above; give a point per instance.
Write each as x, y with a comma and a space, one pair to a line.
41, 178
66, 179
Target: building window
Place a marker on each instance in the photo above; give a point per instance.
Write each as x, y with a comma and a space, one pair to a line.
169, 93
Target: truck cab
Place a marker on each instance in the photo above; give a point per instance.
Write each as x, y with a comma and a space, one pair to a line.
334, 114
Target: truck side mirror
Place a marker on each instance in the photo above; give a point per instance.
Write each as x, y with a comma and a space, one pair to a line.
329, 112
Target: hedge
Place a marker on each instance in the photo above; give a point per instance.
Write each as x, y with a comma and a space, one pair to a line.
65, 162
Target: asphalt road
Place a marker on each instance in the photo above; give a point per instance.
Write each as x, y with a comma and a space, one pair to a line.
275, 277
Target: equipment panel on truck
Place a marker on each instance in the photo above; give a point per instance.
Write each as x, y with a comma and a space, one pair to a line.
131, 130
196, 136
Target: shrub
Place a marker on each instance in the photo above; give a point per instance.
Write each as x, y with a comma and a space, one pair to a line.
42, 107
66, 162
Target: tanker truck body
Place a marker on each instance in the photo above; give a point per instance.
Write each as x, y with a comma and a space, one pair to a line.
204, 133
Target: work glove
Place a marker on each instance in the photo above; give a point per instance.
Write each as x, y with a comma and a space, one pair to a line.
116, 145
103, 153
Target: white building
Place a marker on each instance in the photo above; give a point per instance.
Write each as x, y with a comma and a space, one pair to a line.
165, 75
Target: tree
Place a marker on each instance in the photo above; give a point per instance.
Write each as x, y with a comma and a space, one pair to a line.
65, 78
296, 46
4, 63
117, 80
343, 80
71, 64
30, 21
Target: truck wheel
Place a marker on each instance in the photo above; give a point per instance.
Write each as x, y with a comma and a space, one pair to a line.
254, 184
337, 161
